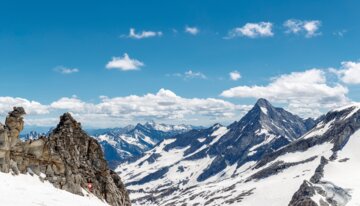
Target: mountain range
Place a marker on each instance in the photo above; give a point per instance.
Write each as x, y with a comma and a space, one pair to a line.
123, 144
268, 157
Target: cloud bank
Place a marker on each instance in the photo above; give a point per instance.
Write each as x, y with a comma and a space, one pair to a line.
306, 93
164, 105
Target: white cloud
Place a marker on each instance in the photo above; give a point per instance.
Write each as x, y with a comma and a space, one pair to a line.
71, 104
309, 28
192, 30
124, 63
306, 93
31, 107
42, 121
143, 34
252, 30
349, 72
66, 70
340, 33
189, 75
235, 75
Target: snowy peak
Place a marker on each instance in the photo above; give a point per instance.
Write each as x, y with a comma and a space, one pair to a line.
264, 105
167, 127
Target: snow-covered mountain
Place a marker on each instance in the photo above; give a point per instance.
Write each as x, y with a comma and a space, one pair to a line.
203, 166
121, 144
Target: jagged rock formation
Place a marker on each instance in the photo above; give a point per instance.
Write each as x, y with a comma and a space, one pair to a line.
68, 158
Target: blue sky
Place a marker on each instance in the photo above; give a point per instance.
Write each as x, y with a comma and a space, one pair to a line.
55, 50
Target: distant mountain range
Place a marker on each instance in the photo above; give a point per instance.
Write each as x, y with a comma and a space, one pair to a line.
269, 157
121, 144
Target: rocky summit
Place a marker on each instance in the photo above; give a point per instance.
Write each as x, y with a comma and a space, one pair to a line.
68, 158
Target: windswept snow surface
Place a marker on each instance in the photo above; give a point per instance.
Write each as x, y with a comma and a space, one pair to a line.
344, 171
217, 134
20, 190
319, 130
264, 110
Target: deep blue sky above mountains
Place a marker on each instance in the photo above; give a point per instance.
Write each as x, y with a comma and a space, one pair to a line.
117, 62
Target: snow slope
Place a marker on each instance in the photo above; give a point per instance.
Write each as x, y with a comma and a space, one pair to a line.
20, 190
344, 172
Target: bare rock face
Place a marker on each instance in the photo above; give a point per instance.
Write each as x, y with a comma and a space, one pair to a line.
68, 158
15, 124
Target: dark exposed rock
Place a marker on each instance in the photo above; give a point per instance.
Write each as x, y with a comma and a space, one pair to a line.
276, 168
68, 158
15, 124
303, 196
319, 171
344, 160
240, 197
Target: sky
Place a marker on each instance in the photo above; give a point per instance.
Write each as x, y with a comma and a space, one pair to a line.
114, 63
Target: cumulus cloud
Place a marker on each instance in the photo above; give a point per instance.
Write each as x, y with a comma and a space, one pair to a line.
309, 28
66, 70
143, 34
349, 72
305, 93
31, 107
71, 104
235, 75
124, 63
192, 30
252, 30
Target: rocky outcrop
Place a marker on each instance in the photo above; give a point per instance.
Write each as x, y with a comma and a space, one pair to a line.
68, 158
